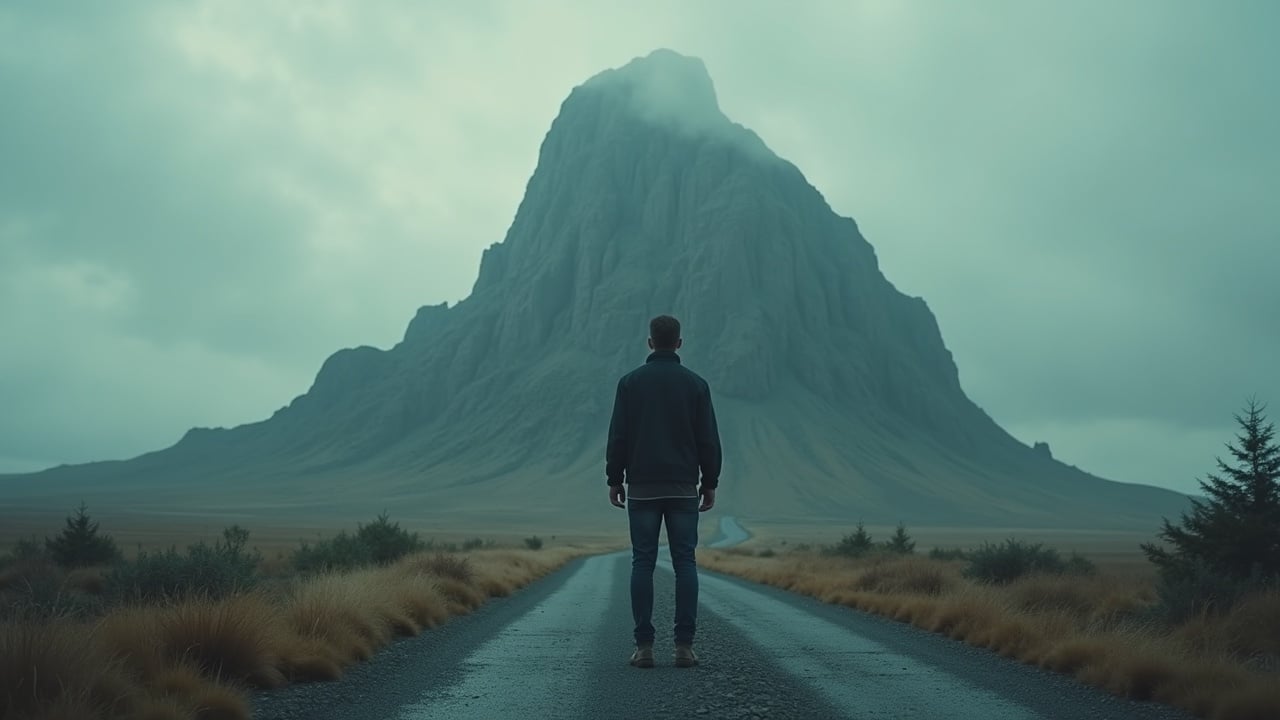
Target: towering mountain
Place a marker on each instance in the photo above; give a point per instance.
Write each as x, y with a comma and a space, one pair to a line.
836, 396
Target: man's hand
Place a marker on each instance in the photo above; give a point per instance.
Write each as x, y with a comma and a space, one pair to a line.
708, 499
618, 496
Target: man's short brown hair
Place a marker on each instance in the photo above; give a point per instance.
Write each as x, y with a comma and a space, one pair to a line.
664, 330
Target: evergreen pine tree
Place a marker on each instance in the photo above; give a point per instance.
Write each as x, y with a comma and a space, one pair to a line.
856, 543
1235, 531
80, 545
901, 542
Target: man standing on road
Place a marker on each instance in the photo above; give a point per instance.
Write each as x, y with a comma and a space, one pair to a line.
663, 433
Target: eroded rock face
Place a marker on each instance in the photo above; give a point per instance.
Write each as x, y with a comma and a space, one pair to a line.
638, 208
836, 392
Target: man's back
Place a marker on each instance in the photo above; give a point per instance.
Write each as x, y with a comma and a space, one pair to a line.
663, 434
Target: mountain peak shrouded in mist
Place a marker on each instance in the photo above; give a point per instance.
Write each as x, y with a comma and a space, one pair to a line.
837, 397
666, 87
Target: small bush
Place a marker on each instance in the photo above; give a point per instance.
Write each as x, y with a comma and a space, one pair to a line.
766, 553
533, 543
26, 549
1194, 588
1011, 560
855, 544
472, 544
340, 552
18, 571
445, 566
1080, 565
948, 554
213, 571
381, 542
37, 589
387, 541
80, 545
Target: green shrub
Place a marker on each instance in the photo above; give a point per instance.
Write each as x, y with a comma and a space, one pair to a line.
24, 552
28, 549
340, 552
387, 541
1080, 565
948, 554
473, 544
533, 543
80, 545
204, 570
1195, 589
766, 553
381, 542
1011, 560
42, 593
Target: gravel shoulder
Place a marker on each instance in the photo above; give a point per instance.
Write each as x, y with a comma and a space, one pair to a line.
398, 674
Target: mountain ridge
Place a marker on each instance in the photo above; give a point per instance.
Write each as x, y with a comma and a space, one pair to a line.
837, 394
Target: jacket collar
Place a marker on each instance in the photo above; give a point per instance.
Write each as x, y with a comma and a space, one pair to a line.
663, 356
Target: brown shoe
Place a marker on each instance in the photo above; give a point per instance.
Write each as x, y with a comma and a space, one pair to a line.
642, 657
685, 656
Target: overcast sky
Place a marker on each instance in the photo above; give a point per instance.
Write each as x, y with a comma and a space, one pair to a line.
200, 201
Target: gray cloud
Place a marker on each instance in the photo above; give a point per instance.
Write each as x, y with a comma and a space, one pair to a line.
200, 201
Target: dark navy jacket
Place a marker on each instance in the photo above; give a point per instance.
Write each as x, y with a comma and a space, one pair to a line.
663, 430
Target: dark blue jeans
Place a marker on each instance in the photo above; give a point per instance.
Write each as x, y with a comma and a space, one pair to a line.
647, 516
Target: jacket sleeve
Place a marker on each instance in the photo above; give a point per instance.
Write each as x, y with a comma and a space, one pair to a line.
709, 456
616, 451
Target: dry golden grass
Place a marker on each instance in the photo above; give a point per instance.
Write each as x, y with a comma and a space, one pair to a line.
47, 668
191, 659
1089, 627
1251, 631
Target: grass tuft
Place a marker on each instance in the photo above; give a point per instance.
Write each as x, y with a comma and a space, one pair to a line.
442, 565
220, 702
891, 574
330, 609
46, 668
235, 639
310, 663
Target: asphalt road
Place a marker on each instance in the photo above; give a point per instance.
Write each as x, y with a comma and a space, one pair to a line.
559, 649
